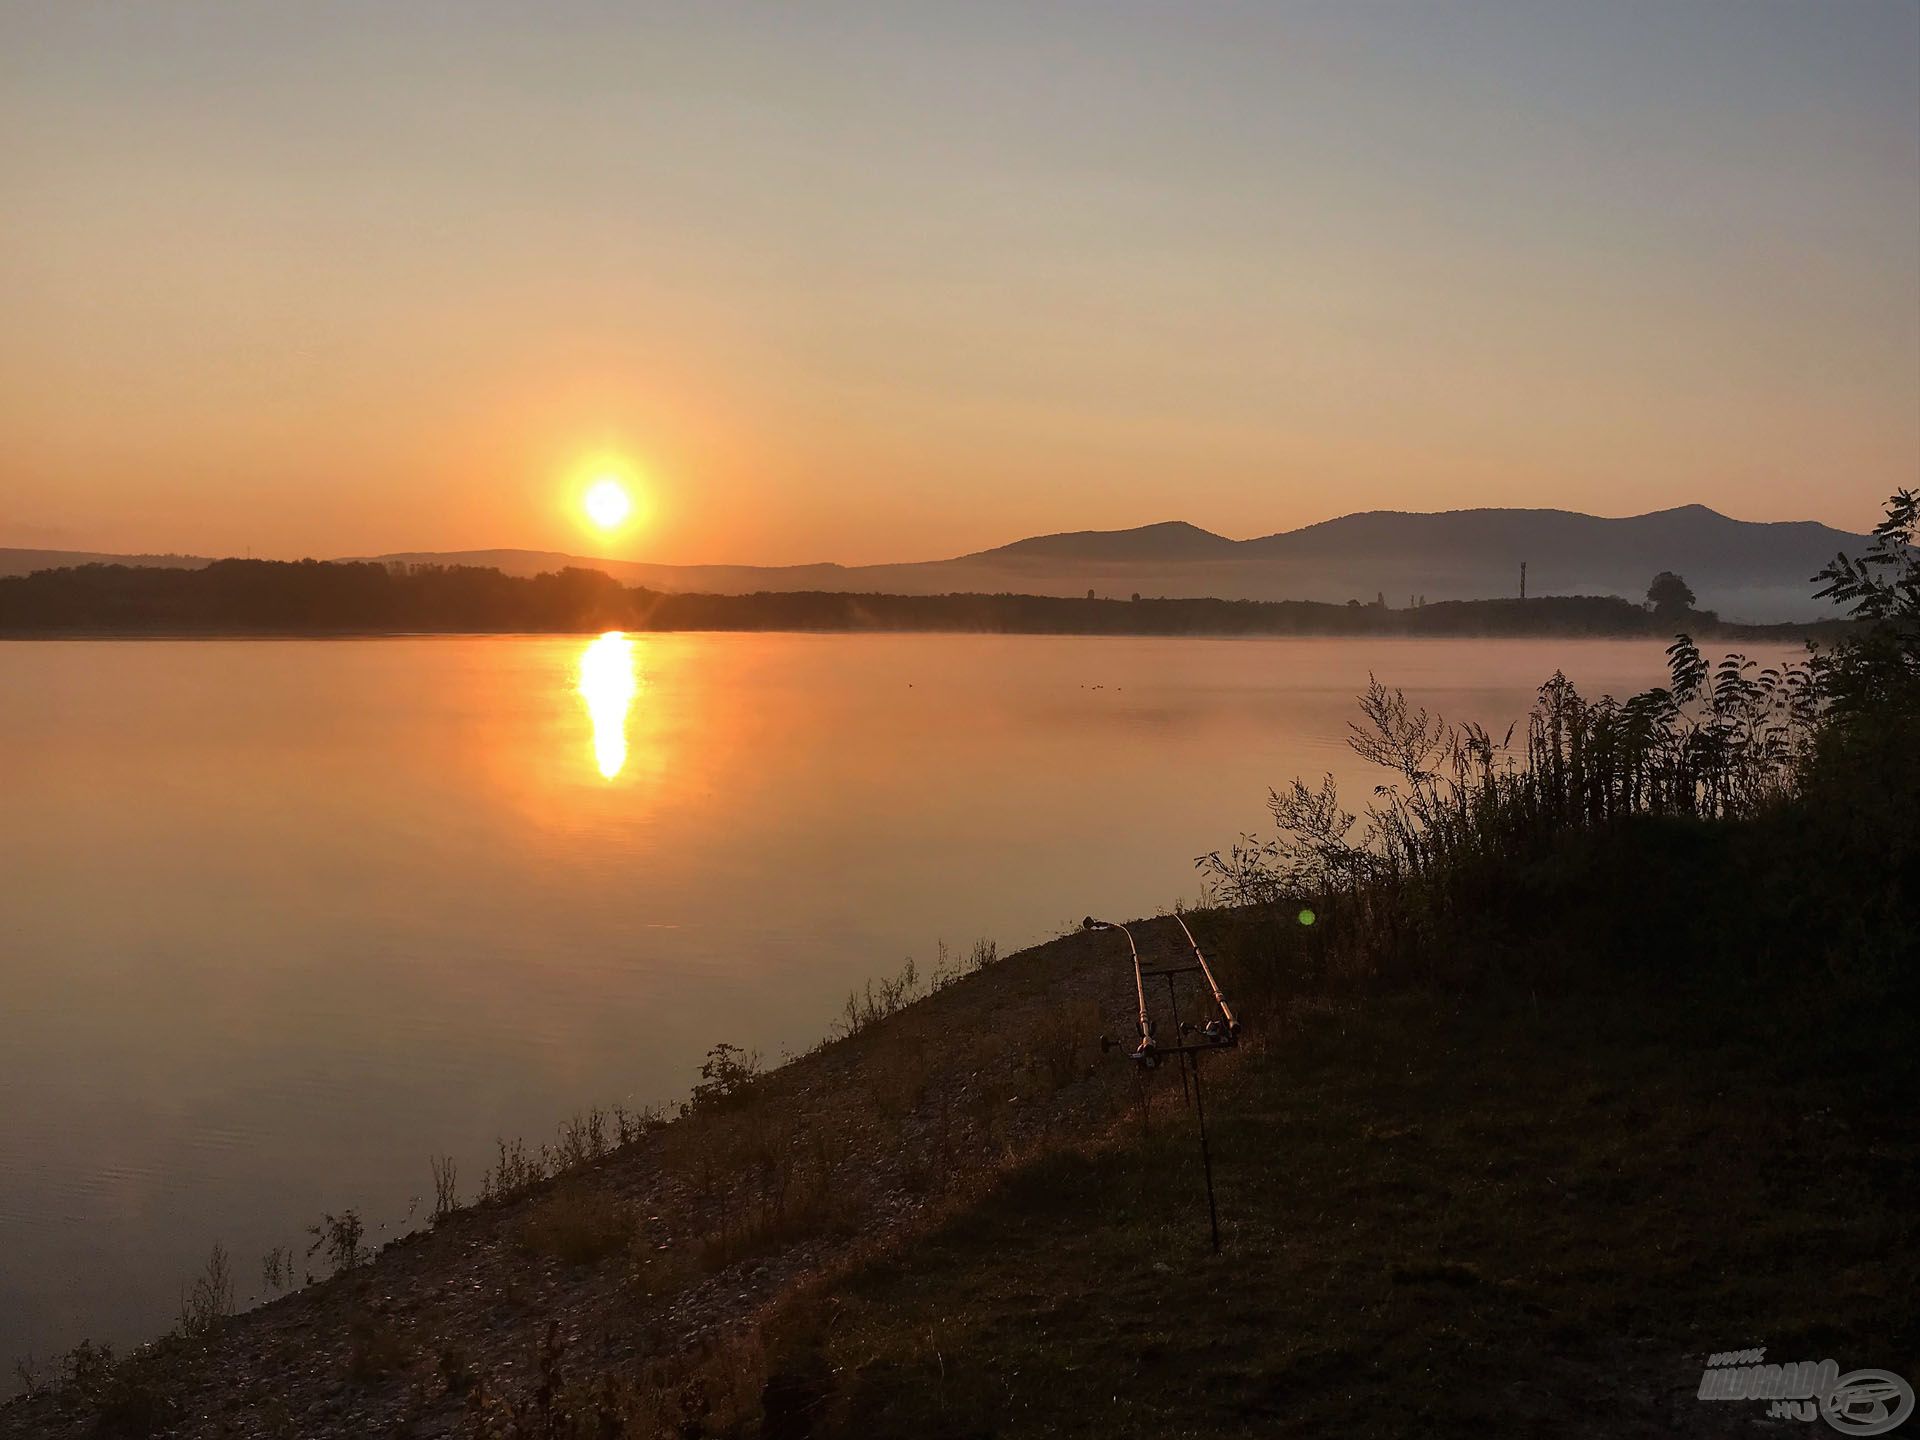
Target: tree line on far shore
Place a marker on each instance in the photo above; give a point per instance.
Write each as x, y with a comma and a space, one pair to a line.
343, 597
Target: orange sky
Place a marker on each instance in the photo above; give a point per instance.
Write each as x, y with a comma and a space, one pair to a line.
855, 286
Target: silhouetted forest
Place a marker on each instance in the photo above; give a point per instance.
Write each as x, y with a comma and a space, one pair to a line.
239, 597
308, 597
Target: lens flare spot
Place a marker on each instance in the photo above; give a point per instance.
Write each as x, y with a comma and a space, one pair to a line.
607, 685
1307, 917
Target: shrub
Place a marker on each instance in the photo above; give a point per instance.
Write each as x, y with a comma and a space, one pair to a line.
209, 1299
725, 1076
340, 1236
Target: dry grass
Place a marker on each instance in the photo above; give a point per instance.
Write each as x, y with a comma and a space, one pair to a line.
895, 1080
880, 1000
578, 1224
762, 1228
715, 1389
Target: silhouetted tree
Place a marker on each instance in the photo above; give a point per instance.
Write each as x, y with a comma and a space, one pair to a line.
1669, 596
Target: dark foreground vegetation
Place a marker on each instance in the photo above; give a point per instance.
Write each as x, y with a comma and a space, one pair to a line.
1582, 1055
269, 597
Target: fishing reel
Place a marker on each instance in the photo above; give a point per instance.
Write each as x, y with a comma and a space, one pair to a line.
1146, 1054
1217, 1031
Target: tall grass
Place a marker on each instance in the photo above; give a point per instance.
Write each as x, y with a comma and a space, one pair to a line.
1713, 745
1719, 742
880, 999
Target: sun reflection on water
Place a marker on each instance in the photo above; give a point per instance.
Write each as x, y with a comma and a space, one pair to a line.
607, 684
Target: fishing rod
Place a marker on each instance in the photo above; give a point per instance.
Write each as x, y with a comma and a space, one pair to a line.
1219, 1033
1232, 1026
1146, 1054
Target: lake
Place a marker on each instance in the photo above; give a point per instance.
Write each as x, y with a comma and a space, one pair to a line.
280, 919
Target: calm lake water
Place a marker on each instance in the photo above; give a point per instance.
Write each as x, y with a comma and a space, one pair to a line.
279, 919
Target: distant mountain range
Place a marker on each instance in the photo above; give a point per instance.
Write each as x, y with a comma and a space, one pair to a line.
1744, 569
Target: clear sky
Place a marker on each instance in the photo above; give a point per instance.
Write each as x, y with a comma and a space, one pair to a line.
894, 281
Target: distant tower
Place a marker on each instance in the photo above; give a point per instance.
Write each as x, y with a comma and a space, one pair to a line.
1523, 579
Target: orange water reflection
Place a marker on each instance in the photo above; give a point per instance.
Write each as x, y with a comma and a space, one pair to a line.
608, 685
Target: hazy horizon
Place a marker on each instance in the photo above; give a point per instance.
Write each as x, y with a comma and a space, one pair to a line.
856, 287
583, 549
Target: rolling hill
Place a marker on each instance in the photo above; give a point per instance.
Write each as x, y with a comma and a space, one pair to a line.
1747, 570
1744, 569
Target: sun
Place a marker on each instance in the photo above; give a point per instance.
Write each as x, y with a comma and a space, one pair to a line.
607, 503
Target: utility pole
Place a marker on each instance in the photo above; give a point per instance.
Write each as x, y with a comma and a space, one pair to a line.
1523, 579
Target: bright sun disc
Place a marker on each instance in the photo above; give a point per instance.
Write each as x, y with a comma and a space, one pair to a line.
607, 503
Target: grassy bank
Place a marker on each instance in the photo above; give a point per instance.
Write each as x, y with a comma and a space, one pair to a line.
1460, 1214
